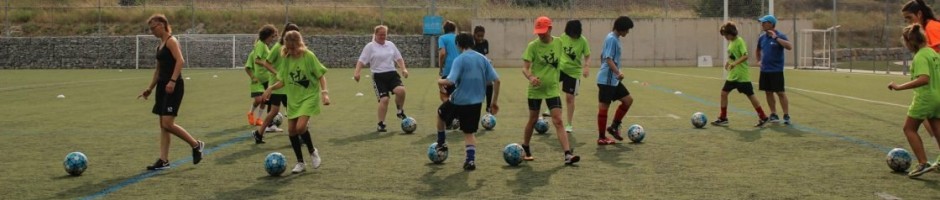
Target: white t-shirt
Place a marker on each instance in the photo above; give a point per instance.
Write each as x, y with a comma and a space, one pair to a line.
380, 58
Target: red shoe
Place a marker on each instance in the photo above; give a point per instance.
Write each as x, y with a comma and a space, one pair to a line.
251, 118
259, 122
606, 141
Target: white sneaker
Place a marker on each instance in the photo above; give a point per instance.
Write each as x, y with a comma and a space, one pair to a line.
569, 129
273, 129
300, 167
315, 158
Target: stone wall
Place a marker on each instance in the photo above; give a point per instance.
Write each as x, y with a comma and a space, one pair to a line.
200, 51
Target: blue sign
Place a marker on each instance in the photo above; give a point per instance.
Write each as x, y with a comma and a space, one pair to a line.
433, 25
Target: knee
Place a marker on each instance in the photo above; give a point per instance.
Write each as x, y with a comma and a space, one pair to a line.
399, 90
383, 100
166, 125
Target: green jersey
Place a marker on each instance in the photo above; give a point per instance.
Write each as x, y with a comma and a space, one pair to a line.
736, 50
273, 58
260, 52
575, 49
926, 103
301, 79
546, 60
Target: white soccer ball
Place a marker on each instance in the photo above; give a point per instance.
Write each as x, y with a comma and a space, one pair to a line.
899, 160
699, 120
409, 125
636, 133
488, 121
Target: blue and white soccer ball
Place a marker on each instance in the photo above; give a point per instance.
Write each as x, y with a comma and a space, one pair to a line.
636, 133
409, 125
275, 164
488, 121
513, 154
435, 156
541, 125
278, 119
899, 159
75, 163
699, 120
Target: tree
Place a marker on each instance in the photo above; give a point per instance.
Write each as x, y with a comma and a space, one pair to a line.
736, 8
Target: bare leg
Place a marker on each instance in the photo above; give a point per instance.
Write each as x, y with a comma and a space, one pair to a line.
569, 102
784, 102
917, 145
168, 124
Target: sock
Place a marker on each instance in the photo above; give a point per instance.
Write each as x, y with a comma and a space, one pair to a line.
724, 113
307, 140
601, 122
760, 113
441, 137
526, 149
471, 152
295, 144
621, 111
568, 152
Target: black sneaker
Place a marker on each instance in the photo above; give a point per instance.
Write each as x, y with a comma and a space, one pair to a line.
441, 147
720, 122
614, 131
469, 165
197, 152
159, 165
570, 159
761, 122
786, 119
401, 115
381, 127
773, 118
259, 139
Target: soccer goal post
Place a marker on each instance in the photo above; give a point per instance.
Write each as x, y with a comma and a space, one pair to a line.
817, 48
200, 50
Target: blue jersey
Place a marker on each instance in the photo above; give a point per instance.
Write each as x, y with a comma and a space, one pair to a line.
771, 52
471, 73
611, 51
448, 42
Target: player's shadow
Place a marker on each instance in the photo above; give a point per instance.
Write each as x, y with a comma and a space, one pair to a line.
929, 183
228, 131
453, 137
265, 187
610, 154
360, 138
788, 130
528, 179
255, 150
448, 186
747, 135
87, 188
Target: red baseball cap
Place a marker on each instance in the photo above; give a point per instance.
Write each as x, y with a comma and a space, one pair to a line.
542, 24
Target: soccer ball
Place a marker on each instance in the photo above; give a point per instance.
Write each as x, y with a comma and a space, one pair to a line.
699, 120
488, 122
275, 164
899, 159
75, 163
513, 153
541, 126
409, 125
278, 119
636, 133
435, 156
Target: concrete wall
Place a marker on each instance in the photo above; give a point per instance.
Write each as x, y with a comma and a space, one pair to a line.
203, 52
652, 42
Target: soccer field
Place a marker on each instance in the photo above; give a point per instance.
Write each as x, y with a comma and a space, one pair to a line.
844, 124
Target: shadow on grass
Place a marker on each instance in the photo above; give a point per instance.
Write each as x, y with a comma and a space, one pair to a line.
229, 130
255, 149
747, 135
527, 179
610, 154
447, 186
360, 138
266, 187
453, 137
929, 183
86, 189
788, 130
856, 112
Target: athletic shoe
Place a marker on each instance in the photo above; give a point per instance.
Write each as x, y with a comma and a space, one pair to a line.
159, 165
570, 159
273, 128
761, 122
315, 158
299, 167
720, 122
251, 118
786, 119
546, 114
612, 130
920, 169
528, 158
441, 148
774, 118
381, 127
569, 128
606, 141
259, 122
401, 115
259, 139
197, 151
469, 165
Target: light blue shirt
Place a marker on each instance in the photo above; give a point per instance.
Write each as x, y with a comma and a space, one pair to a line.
448, 42
611, 51
470, 74
771, 52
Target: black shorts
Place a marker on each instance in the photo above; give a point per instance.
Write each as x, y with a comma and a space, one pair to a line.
607, 94
449, 89
278, 99
258, 94
168, 104
384, 83
551, 103
468, 114
771, 82
743, 87
569, 84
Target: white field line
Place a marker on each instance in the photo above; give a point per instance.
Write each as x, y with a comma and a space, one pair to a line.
75, 82
788, 87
